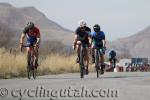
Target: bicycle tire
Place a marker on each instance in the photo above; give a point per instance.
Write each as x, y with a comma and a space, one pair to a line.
81, 63
28, 66
32, 67
97, 63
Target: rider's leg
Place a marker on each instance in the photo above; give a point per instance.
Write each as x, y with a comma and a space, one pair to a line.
78, 46
102, 59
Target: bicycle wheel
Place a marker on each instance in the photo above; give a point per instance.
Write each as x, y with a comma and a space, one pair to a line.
32, 66
29, 65
34, 72
97, 63
81, 64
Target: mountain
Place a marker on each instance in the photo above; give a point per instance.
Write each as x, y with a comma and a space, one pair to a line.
137, 45
17, 18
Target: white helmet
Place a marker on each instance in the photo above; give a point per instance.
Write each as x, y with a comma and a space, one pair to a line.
82, 23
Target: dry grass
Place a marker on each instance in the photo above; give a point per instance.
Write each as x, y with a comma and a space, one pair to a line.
55, 64
12, 65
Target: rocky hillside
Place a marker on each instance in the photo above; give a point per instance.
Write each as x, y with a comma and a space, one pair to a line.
17, 18
137, 45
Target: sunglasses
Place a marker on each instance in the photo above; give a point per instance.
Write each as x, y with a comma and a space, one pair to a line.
83, 27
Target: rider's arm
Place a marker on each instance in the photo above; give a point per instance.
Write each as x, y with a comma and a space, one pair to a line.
23, 34
38, 38
38, 41
104, 40
75, 37
104, 43
75, 40
90, 39
22, 38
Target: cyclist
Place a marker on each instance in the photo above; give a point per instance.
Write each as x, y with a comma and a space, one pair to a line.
112, 57
81, 37
98, 40
33, 38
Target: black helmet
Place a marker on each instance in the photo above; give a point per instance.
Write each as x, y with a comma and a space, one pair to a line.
96, 28
30, 25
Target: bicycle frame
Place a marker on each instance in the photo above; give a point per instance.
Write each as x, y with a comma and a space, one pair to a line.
30, 60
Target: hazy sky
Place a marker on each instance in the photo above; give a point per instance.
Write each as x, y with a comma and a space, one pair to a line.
118, 18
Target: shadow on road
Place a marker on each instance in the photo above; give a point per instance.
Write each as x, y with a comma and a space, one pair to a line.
57, 78
121, 76
91, 78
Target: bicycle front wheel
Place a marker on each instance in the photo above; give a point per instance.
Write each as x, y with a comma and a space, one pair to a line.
81, 62
97, 63
28, 65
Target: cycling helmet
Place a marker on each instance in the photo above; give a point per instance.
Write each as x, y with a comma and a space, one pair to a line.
82, 23
112, 53
112, 50
96, 28
30, 25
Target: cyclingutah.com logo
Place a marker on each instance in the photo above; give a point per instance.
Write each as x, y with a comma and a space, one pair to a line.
68, 92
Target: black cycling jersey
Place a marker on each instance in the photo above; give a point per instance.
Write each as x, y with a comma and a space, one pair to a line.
83, 35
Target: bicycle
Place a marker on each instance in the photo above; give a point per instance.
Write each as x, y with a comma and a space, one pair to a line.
31, 70
83, 51
98, 52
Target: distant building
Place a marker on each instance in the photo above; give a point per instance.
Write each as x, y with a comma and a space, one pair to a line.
139, 61
149, 61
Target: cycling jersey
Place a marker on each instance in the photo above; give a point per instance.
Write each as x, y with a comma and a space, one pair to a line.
32, 35
97, 38
83, 35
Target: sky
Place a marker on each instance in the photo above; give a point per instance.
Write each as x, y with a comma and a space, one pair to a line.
117, 18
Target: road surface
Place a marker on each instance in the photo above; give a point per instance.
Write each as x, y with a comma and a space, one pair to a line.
111, 86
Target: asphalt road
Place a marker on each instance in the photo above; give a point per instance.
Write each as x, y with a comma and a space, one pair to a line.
110, 86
